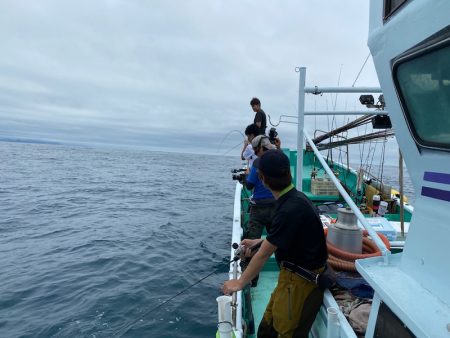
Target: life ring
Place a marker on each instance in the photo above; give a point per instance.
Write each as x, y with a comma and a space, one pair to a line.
342, 260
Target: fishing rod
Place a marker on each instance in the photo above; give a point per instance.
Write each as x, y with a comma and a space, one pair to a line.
228, 134
239, 250
234, 147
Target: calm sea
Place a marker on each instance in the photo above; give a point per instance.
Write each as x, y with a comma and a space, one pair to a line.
93, 240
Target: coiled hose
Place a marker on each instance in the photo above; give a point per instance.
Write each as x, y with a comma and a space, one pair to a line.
341, 260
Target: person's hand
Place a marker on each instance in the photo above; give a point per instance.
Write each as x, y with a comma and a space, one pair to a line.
248, 243
277, 143
231, 286
246, 143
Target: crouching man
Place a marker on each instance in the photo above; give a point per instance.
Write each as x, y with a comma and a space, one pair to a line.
297, 238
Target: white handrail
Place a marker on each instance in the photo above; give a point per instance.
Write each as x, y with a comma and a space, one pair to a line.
345, 112
236, 238
384, 251
319, 90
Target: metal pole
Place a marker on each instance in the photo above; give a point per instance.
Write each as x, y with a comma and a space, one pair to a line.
300, 126
318, 90
234, 296
350, 112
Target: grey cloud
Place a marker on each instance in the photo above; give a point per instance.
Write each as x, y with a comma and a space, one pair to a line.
135, 72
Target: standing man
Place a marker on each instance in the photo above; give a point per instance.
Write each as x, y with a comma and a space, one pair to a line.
260, 116
297, 238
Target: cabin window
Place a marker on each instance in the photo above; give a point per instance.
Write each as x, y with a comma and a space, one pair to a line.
388, 325
390, 6
423, 84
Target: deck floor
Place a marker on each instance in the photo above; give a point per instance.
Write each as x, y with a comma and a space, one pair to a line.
261, 294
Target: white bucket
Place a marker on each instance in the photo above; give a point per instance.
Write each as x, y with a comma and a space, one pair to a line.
225, 329
224, 308
224, 313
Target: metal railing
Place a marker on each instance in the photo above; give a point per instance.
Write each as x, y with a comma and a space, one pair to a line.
302, 133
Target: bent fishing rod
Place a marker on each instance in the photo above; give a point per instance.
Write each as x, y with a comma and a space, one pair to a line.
239, 251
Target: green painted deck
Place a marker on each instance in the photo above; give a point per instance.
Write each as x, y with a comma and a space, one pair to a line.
269, 275
261, 295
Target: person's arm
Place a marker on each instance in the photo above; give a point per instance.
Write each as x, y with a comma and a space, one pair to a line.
251, 179
243, 149
256, 264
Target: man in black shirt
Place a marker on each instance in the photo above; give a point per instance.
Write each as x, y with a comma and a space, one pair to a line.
260, 116
297, 238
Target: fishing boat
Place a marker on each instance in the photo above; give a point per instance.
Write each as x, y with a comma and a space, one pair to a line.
410, 45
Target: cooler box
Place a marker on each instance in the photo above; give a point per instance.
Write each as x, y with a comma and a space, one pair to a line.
382, 225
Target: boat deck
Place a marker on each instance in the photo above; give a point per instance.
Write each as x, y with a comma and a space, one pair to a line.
261, 295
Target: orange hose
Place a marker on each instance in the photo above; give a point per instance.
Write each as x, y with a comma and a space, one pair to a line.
345, 261
340, 265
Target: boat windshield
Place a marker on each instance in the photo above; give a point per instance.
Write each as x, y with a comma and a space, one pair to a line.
423, 83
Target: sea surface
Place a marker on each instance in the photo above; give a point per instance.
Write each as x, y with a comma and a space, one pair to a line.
101, 242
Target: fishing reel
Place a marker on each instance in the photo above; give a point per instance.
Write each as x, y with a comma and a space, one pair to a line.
273, 135
238, 175
239, 250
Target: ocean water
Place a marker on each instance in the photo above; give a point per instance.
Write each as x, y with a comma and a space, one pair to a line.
92, 241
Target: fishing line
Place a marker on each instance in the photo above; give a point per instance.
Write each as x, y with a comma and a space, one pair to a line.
228, 134
125, 329
234, 147
238, 252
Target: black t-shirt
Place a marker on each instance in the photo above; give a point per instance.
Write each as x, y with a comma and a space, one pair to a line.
260, 116
297, 232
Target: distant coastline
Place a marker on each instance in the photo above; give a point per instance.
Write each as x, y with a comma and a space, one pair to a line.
25, 140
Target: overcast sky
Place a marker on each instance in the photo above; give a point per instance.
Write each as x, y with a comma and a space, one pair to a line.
172, 75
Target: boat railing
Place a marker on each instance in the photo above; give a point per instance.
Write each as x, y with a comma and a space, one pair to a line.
347, 198
302, 133
234, 272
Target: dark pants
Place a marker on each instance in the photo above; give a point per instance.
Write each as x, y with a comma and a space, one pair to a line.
260, 217
292, 308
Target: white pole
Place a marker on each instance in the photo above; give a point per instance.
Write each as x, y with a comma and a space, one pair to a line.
300, 126
318, 90
384, 251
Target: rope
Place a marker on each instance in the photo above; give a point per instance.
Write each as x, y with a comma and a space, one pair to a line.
357, 76
382, 161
